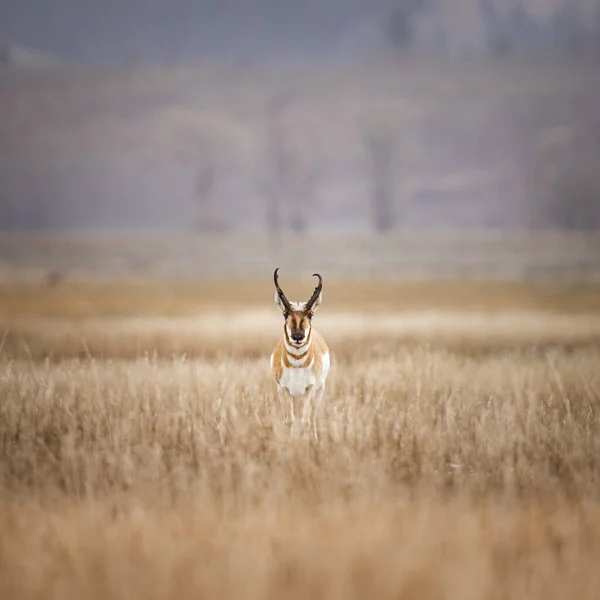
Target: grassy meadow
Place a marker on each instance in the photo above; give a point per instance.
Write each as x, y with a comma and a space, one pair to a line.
144, 453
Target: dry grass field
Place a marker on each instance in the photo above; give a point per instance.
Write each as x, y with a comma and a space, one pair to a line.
144, 454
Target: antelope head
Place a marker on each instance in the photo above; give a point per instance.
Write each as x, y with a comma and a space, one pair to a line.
298, 315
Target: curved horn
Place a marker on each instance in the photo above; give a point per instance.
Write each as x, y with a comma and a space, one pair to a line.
316, 293
284, 300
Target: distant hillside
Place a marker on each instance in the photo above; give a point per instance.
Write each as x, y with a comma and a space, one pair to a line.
401, 145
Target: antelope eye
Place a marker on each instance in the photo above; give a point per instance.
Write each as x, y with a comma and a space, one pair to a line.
309, 317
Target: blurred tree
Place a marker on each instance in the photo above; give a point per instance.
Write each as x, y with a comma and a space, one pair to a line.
279, 166
5, 57
293, 167
594, 29
210, 214
32, 198
302, 195
566, 187
521, 31
574, 200
497, 39
400, 25
400, 28
380, 148
567, 28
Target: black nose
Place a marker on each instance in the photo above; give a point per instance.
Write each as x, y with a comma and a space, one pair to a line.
297, 337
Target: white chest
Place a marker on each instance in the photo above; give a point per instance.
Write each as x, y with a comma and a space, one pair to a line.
297, 380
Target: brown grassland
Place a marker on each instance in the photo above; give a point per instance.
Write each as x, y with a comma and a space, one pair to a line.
144, 455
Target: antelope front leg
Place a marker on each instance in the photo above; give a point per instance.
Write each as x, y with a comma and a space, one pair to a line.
316, 406
307, 408
302, 402
286, 401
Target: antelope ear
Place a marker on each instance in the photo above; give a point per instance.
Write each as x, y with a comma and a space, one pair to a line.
317, 303
279, 302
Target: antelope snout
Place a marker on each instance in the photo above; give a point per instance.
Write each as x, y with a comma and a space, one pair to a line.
297, 337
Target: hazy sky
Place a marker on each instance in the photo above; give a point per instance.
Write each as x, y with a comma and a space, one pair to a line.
174, 29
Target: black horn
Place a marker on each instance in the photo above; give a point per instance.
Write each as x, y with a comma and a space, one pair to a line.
316, 293
284, 300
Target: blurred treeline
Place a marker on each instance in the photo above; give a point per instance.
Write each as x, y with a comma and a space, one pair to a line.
486, 114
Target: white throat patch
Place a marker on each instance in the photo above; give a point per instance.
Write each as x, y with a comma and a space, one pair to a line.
297, 349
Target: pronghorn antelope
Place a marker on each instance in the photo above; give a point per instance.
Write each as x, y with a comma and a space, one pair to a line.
300, 360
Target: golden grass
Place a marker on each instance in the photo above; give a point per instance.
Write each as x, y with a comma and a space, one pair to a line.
180, 298
252, 334
458, 456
